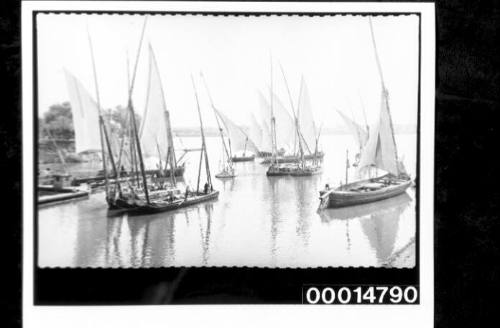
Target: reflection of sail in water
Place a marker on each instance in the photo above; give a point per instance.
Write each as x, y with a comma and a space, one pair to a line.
304, 211
379, 222
205, 231
381, 228
275, 212
148, 242
90, 235
114, 252
347, 235
228, 185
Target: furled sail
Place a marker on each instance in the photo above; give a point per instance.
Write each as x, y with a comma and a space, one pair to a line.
153, 132
306, 121
239, 139
380, 150
359, 132
85, 116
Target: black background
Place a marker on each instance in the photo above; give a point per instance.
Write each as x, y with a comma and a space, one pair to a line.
466, 192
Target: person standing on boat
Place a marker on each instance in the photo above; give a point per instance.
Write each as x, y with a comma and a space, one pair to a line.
186, 194
205, 188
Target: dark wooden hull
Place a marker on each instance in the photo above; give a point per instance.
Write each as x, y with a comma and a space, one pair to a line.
293, 158
277, 171
142, 208
306, 172
346, 196
243, 158
352, 212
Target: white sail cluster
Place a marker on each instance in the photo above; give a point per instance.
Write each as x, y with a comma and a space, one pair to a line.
85, 116
153, 133
285, 125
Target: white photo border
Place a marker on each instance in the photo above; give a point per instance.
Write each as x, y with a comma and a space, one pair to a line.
154, 316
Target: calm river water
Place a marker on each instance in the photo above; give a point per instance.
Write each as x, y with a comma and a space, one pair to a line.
257, 221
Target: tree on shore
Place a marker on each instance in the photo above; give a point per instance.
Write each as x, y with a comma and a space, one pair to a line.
57, 122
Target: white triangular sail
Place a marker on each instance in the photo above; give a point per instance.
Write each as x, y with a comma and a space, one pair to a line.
239, 139
153, 132
380, 150
256, 133
265, 113
308, 129
285, 125
358, 131
85, 116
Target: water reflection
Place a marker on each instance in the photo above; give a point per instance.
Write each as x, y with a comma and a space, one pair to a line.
304, 205
257, 221
379, 223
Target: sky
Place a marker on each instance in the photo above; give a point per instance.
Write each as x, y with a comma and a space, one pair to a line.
334, 54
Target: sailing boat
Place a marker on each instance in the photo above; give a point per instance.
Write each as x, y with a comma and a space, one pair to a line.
380, 152
227, 168
140, 199
174, 199
239, 140
305, 127
286, 133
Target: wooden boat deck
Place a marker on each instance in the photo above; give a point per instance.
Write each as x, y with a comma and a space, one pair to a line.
364, 191
163, 205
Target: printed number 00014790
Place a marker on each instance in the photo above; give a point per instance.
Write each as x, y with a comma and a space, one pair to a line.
360, 295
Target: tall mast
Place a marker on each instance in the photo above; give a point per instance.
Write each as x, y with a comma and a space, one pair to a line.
273, 119
204, 147
385, 93
132, 114
295, 115
226, 150
102, 131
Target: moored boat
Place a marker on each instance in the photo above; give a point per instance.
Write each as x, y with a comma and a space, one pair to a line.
243, 158
140, 207
379, 152
364, 191
287, 159
306, 171
226, 174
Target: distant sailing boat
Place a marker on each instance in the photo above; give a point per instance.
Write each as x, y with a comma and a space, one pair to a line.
380, 152
304, 125
226, 166
240, 143
286, 132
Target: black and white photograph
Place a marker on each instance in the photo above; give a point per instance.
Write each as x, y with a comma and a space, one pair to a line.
227, 141
224, 138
